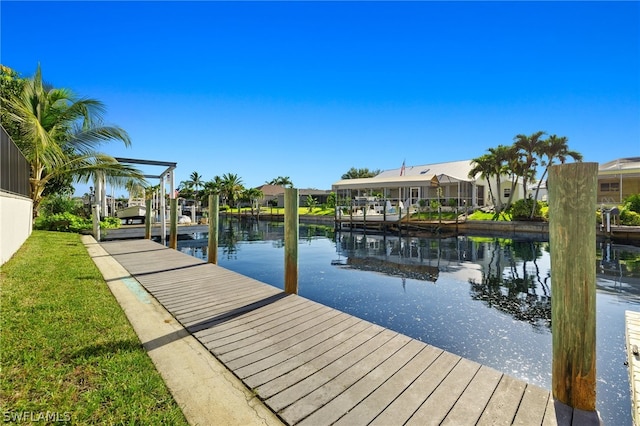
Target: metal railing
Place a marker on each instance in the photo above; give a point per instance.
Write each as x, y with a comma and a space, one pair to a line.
14, 168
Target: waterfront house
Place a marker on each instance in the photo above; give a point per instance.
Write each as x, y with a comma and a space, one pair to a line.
448, 183
618, 179
274, 195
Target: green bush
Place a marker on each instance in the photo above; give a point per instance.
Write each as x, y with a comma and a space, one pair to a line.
110, 223
56, 204
62, 222
632, 203
521, 209
67, 222
629, 217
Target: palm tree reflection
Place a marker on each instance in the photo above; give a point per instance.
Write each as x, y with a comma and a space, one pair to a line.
511, 282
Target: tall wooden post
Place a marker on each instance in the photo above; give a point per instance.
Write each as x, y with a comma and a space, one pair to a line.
572, 237
291, 234
212, 247
96, 221
173, 225
147, 219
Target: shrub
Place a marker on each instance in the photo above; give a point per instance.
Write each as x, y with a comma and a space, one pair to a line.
62, 222
67, 222
521, 209
56, 203
110, 223
632, 203
629, 217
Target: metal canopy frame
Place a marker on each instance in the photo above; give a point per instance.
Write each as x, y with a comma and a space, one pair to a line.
166, 175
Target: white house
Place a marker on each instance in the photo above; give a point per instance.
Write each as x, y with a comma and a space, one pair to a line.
449, 183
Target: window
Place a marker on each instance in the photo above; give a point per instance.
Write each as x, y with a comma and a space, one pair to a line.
610, 187
507, 192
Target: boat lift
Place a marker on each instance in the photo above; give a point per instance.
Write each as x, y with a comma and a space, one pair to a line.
166, 177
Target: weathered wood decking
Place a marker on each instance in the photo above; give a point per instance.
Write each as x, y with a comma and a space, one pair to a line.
632, 334
314, 365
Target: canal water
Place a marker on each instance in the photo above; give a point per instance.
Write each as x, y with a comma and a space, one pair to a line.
483, 298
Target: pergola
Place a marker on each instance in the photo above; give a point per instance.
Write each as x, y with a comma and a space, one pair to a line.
166, 176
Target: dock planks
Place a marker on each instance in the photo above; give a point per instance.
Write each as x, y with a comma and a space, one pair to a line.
632, 335
315, 365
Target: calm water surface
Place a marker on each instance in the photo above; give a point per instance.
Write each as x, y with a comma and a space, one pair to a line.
485, 299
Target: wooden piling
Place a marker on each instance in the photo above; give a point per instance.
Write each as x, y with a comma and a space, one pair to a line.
96, 221
291, 234
572, 237
173, 224
212, 248
147, 219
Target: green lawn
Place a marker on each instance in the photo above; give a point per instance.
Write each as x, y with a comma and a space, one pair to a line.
67, 348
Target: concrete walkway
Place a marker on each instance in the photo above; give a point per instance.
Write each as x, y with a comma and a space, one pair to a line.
204, 389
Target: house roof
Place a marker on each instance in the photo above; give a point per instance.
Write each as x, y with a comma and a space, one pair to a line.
621, 166
455, 171
275, 190
271, 190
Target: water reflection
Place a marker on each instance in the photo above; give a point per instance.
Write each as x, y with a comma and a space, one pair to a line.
618, 271
512, 281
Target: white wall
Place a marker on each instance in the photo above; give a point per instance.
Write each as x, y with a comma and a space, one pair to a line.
16, 221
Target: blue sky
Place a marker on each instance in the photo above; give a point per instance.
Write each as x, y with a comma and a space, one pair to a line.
311, 89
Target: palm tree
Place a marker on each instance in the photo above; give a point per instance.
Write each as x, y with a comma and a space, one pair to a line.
195, 182
59, 133
213, 186
135, 189
529, 147
555, 147
281, 181
516, 168
498, 158
231, 187
483, 166
253, 195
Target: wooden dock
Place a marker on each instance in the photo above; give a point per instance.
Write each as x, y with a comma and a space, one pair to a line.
315, 365
632, 321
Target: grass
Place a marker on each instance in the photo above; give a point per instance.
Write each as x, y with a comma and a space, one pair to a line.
302, 211
480, 215
67, 346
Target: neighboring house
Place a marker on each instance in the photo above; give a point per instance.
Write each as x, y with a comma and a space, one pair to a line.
274, 195
618, 179
543, 193
448, 183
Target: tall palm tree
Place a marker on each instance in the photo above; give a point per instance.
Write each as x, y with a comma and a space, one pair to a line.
483, 166
231, 187
195, 182
516, 168
498, 158
529, 147
59, 134
213, 186
555, 148
253, 195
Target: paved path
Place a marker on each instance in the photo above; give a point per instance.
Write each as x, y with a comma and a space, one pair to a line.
314, 365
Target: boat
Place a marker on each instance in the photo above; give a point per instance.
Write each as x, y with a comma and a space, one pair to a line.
371, 210
135, 210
